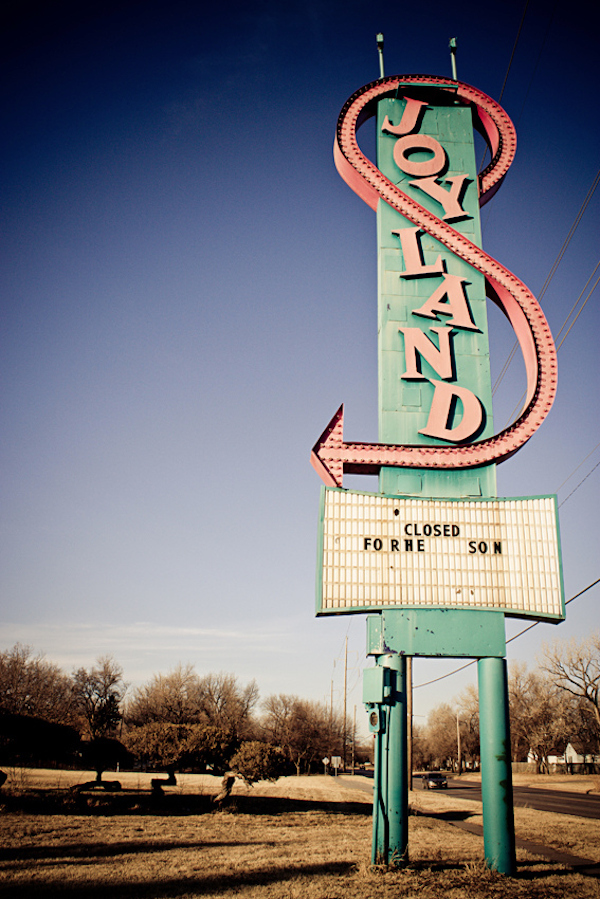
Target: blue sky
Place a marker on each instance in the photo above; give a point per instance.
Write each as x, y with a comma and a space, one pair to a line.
188, 293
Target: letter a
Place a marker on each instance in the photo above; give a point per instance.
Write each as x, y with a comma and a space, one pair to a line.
455, 304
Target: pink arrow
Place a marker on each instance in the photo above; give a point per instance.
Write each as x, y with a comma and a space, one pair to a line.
331, 457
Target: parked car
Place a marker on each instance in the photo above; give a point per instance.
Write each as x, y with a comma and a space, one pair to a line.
433, 780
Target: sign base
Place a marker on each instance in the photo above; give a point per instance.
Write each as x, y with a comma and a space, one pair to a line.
458, 633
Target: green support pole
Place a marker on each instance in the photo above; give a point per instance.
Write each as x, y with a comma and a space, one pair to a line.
390, 810
496, 773
397, 767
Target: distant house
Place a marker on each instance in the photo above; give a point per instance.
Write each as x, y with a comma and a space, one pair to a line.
575, 760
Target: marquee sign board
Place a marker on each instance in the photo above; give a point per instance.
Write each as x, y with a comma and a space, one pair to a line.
379, 552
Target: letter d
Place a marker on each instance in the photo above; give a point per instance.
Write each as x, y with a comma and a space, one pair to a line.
439, 414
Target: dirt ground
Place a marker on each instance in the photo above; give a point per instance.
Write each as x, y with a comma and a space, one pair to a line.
298, 838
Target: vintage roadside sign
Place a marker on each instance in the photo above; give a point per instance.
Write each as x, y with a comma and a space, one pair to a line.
436, 557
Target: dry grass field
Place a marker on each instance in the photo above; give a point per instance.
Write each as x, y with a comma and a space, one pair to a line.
299, 838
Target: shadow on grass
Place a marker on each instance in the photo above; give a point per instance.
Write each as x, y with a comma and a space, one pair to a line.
526, 870
233, 882
136, 802
151, 889
450, 816
98, 851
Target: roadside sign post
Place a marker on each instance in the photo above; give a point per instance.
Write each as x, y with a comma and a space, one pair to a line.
496, 771
436, 557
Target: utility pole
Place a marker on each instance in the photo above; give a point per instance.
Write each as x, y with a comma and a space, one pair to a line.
345, 698
409, 720
331, 704
354, 740
458, 745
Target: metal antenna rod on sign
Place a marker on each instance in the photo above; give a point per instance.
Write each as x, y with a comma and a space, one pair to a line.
380, 51
452, 46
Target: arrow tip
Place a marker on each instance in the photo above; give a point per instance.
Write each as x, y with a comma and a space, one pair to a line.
324, 458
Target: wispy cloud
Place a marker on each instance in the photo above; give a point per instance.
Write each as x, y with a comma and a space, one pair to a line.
144, 648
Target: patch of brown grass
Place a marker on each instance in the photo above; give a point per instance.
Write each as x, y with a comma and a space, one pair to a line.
565, 833
296, 839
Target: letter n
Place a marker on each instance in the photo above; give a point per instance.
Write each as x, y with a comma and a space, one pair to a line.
417, 344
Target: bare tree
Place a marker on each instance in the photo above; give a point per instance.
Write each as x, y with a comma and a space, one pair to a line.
99, 692
442, 748
519, 702
29, 685
451, 736
575, 668
539, 716
182, 697
420, 748
227, 706
173, 698
305, 732
467, 724
183, 720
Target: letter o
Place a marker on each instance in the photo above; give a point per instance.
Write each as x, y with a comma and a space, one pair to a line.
377, 544
411, 144
427, 530
482, 546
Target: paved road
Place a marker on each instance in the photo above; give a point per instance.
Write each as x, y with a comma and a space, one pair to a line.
561, 801
579, 804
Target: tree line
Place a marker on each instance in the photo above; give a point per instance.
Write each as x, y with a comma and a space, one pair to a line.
213, 723
176, 721
551, 706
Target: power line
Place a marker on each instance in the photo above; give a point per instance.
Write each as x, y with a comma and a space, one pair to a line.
537, 62
507, 71
574, 306
444, 676
592, 289
553, 269
579, 484
569, 236
513, 50
578, 467
520, 634
581, 307
525, 98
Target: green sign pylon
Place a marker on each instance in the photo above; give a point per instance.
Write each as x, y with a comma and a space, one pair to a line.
437, 445
413, 272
